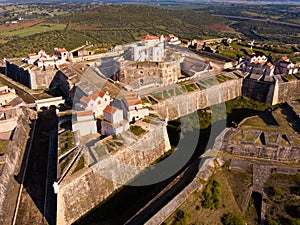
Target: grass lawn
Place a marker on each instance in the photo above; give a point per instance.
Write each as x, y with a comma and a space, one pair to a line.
3, 146
249, 136
256, 122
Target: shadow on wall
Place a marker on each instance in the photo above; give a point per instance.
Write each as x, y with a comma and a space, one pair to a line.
37, 171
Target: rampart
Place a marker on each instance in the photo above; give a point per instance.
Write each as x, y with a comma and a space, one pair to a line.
271, 93
190, 102
271, 151
258, 90
18, 74
11, 167
288, 91
82, 192
34, 78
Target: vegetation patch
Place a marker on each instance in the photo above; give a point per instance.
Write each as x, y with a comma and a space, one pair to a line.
66, 141
182, 217
137, 130
222, 78
80, 165
3, 146
249, 136
233, 219
212, 195
273, 138
66, 162
283, 205
144, 100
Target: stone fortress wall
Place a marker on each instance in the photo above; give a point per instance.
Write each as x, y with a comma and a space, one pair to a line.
190, 102
33, 78
13, 159
168, 71
76, 203
76, 198
271, 93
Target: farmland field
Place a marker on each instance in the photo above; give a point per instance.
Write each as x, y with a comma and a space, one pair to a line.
24, 30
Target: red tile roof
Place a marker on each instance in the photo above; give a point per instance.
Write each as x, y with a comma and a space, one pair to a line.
149, 38
110, 109
133, 102
285, 58
84, 113
132, 99
101, 94
85, 99
93, 96
61, 50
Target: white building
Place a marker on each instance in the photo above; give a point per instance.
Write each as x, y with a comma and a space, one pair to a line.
47, 102
96, 102
133, 108
113, 122
85, 123
151, 49
173, 40
285, 66
257, 64
42, 59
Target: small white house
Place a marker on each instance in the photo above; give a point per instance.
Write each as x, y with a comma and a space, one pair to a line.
173, 40
113, 122
85, 123
133, 108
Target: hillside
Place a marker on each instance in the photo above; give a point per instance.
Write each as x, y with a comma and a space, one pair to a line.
110, 25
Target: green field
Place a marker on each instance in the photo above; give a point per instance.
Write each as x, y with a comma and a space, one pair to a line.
33, 30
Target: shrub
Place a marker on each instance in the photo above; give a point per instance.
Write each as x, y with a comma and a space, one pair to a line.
232, 219
182, 217
212, 195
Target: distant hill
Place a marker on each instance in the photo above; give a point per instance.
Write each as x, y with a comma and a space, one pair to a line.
115, 24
